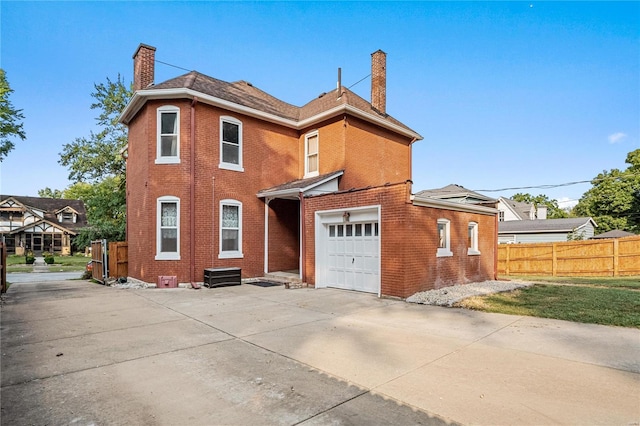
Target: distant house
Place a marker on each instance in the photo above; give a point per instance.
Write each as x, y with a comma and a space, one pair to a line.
224, 175
547, 230
516, 210
40, 224
457, 194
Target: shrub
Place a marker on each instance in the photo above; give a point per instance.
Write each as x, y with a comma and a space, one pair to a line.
29, 258
48, 258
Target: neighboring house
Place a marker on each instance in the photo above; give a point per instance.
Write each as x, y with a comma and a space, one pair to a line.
40, 224
614, 233
516, 210
548, 230
458, 194
225, 175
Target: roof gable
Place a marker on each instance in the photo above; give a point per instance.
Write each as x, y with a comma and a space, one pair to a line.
544, 225
456, 193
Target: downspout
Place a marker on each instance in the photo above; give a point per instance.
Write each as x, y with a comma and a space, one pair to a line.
192, 195
302, 239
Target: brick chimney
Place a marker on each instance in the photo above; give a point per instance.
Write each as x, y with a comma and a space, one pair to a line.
143, 66
379, 81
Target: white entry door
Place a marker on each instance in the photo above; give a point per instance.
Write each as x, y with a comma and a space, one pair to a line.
353, 256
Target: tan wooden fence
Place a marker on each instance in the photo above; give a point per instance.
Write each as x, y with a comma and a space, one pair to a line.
597, 258
118, 260
98, 260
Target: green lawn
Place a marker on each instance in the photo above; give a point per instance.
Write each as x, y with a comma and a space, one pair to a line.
621, 282
588, 302
61, 264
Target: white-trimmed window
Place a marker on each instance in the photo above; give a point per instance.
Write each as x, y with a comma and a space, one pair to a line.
444, 238
230, 229
231, 144
472, 238
311, 154
168, 149
168, 228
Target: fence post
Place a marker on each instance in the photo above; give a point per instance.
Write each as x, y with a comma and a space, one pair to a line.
554, 261
506, 262
615, 257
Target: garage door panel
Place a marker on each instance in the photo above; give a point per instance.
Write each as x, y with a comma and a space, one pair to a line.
353, 256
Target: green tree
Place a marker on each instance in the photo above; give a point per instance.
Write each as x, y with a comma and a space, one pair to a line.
97, 168
93, 158
11, 125
614, 198
50, 193
553, 210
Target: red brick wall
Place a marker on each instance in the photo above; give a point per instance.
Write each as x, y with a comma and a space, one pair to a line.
408, 238
269, 157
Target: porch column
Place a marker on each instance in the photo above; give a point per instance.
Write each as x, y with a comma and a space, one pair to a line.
267, 200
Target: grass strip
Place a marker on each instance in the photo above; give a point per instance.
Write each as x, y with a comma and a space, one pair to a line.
606, 306
616, 282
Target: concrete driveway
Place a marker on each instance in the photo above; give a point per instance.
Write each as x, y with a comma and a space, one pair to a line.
80, 353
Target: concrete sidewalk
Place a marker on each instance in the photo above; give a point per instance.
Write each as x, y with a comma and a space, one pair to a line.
80, 353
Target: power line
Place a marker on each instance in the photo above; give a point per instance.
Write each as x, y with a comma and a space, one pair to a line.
359, 81
171, 65
558, 185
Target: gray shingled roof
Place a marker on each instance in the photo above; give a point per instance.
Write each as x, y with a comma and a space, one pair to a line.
522, 210
300, 184
245, 94
453, 191
542, 225
614, 233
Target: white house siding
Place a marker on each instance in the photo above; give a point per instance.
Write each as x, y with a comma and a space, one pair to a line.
533, 238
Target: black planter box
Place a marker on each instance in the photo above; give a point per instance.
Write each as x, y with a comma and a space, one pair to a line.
220, 277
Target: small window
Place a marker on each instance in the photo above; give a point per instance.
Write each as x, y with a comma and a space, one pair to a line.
367, 229
444, 238
332, 231
231, 144
311, 155
501, 216
168, 150
349, 230
168, 229
473, 239
340, 230
358, 230
230, 229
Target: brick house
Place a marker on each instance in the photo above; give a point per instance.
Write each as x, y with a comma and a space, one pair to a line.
225, 175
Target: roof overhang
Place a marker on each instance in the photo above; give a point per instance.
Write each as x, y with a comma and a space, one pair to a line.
38, 222
450, 205
142, 96
294, 193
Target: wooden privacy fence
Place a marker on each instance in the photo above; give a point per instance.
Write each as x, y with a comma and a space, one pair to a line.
118, 260
112, 263
597, 258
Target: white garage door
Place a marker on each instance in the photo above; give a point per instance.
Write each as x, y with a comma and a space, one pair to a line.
353, 256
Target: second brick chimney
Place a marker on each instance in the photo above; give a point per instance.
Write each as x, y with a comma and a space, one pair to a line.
143, 66
379, 81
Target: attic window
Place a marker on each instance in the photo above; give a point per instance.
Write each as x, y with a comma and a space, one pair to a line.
67, 217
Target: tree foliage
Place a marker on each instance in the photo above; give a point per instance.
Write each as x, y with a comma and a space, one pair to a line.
93, 158
614, 199
50, 193
96, 166
11, 125
553, 209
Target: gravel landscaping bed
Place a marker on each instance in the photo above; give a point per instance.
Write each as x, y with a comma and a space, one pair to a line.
448, 296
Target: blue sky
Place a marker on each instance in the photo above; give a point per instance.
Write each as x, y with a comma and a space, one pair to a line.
505, 94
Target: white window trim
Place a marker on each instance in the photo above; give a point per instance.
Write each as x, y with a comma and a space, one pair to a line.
237, 254
473, 250
230, 166
445, 251
173, 159
167, 255
308, 174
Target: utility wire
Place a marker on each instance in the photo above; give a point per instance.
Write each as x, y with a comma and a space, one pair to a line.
596, 180
171, 65
359, 81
